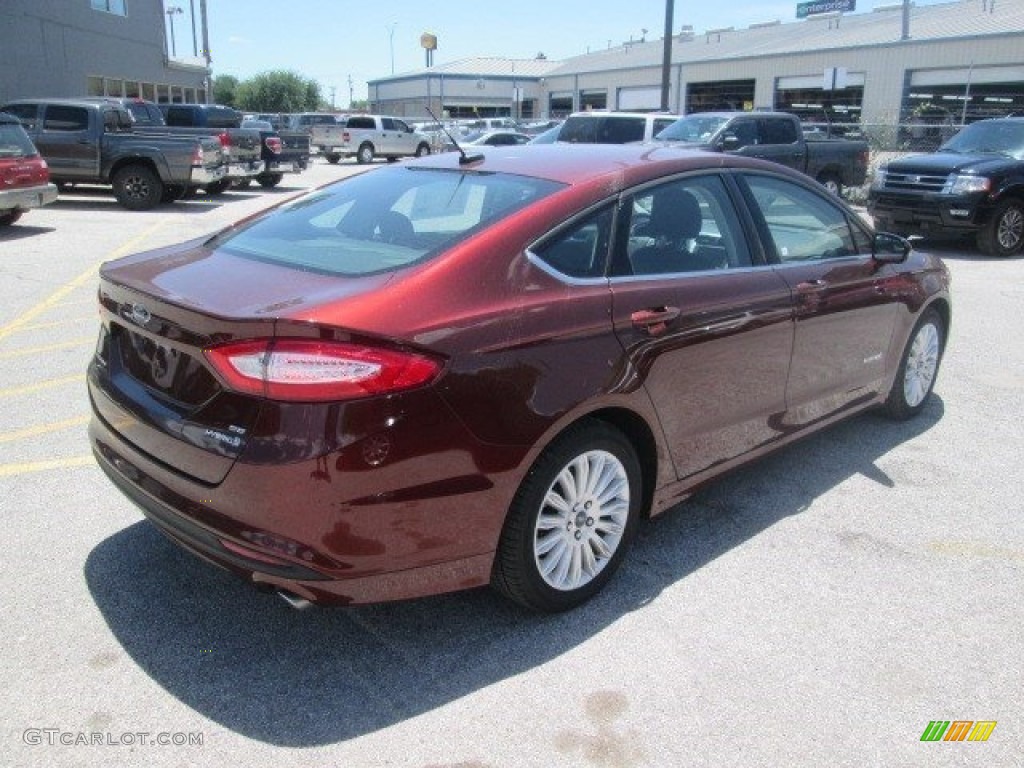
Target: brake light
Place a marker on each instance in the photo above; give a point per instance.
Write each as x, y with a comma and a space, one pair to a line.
309, 371
225, 139
274, 144
197, 156
345, 136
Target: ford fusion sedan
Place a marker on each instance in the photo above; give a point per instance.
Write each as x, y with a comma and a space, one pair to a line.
462, 371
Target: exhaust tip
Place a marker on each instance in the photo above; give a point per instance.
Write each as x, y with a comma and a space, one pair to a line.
296, 602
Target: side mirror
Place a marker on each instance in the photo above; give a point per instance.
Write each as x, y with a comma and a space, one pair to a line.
887, 248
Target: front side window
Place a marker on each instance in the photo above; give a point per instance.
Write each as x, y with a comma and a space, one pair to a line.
804, 225
382, 221
686, 225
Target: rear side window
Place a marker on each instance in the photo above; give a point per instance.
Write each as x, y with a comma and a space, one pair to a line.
14, 142
383, 221
63, 118
360, 122
582, 249
179, 116
778, 131
222, 117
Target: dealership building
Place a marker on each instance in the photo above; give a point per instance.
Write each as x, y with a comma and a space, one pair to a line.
102, 48
950, 62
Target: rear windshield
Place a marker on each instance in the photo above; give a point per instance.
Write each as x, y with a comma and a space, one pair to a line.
383, 220
605, 129
696, 129
14, 142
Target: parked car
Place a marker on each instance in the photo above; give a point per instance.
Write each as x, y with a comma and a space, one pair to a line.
24, 175
500, 138
776, 136
484, 124
94, 142
599, 127
974, 185
444, 374
305, 121
550, 136
365, 137
279, 158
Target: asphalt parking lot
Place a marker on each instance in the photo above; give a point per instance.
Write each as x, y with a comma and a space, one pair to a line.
820, 607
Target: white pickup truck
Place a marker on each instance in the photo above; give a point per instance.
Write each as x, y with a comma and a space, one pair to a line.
365, 137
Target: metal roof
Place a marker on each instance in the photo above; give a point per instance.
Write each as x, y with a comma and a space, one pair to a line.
964, 19
483, 66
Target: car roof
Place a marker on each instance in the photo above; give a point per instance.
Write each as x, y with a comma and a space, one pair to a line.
583, 163
82, 102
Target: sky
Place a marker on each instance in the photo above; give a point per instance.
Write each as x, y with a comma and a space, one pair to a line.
332, 41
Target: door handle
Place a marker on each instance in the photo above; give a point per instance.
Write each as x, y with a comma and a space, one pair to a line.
810, 286
654, 321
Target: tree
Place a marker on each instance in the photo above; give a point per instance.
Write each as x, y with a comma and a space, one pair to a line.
225, 88
277, 91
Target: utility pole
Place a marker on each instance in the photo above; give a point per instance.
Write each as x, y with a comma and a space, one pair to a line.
666, 56
333, 89
351, 92
391, 40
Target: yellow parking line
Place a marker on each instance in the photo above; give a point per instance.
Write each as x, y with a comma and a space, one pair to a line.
70, 321
49, 348
7, 470
26, 389
43, 429
90, 274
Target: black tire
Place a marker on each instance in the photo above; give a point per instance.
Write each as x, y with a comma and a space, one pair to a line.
365, 153
333, 159
422, 149
831, 182
215, 188
242, 183
9, 217
1003, 235
918, 369
269, 180
137, 188
593, 535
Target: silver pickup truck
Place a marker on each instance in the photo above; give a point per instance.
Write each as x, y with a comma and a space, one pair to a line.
365, 137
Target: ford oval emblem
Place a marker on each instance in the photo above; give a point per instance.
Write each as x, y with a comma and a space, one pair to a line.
138, 314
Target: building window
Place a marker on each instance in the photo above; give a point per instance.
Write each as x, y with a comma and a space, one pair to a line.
115, 7
94, 86
594, 99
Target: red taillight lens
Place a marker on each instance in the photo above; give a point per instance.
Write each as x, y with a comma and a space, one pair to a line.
198, 156
273, 144
345, 136
309, 371
225, 139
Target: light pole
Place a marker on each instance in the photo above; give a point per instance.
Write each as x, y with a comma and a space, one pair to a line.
391, 41
171, 12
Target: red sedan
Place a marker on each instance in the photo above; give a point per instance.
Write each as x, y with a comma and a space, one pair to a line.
459, 371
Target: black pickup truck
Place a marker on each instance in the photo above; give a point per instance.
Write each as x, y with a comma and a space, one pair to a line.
973, 185
93, 142
776, 136
283, 152
240, 146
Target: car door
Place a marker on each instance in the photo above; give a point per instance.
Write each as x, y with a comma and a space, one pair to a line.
707, 327
390, 137
779, 141
64, 139
845, 302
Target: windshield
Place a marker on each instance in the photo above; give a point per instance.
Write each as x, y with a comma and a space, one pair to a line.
998, 137
383, 220
696, 129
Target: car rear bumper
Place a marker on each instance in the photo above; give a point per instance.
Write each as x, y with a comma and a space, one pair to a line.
202, 175
244, 170
284, 166
28, 197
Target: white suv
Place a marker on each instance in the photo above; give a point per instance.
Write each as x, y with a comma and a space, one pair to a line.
613, 127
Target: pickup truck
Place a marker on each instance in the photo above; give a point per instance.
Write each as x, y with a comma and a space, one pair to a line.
24, 175
282, 153
776, 136
93, 142
365, 137
240, 147
973, 185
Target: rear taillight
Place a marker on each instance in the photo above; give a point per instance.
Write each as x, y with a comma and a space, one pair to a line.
225, 139
345, 136
197, 156
273, 144
306, 370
